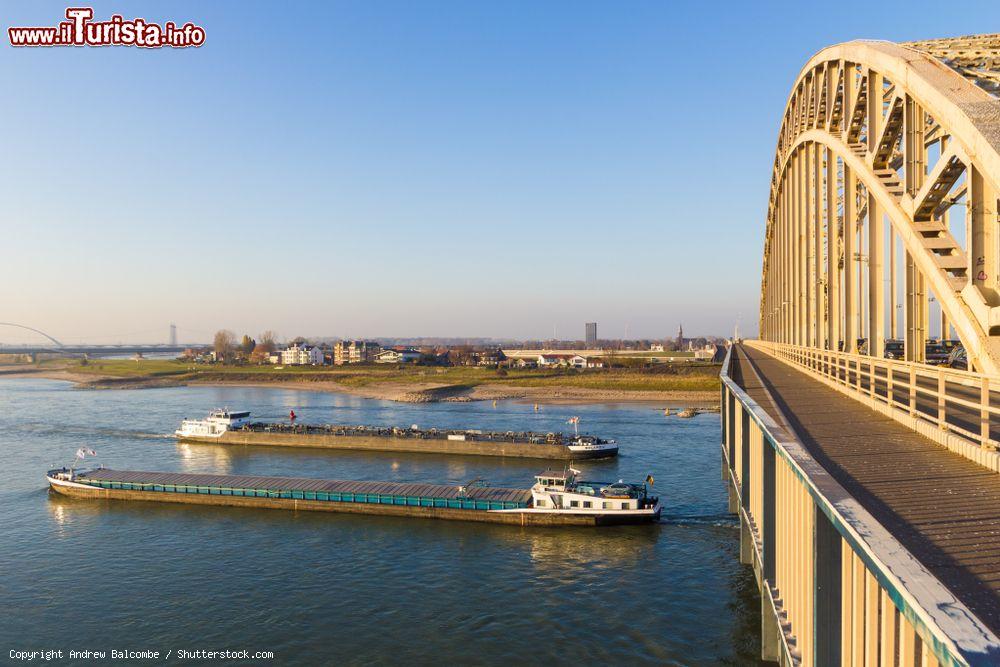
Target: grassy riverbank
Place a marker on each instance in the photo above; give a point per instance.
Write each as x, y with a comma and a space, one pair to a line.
416, 383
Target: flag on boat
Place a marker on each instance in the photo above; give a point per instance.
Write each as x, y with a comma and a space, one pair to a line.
80, 453
573, 420
92, 452
649, 480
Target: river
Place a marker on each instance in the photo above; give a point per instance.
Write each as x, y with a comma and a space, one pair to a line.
359, 590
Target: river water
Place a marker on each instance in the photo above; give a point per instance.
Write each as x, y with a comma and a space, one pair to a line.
317, 588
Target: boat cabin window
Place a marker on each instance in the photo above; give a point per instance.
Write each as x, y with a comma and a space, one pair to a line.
587, 503
574, 503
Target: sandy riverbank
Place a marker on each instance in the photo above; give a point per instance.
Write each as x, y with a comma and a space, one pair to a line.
402, 392
431, 393
48, 374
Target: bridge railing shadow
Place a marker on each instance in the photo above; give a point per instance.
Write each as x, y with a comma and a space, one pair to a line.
958, 409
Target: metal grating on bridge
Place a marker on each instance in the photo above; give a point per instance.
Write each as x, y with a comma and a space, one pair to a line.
942, 507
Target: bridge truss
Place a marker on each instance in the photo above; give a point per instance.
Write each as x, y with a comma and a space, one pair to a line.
884, 200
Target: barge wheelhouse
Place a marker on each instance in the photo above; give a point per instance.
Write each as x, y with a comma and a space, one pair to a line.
215, 425
561, 490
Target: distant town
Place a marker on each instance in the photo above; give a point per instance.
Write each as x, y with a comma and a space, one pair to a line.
587, 353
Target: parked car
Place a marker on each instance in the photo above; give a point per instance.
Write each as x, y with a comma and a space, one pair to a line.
934, 353
958, 359
894, 349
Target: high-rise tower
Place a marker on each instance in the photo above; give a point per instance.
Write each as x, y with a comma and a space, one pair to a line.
173, 335
591, 335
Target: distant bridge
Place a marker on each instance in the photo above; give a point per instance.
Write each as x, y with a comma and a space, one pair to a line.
868, 488
27, 328
87, 348
96, 350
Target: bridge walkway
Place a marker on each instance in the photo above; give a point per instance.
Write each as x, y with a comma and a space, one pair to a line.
942, 507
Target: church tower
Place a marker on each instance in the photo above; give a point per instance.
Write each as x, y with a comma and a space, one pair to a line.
680, 336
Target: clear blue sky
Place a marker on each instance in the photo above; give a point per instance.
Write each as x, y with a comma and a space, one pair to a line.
408, 168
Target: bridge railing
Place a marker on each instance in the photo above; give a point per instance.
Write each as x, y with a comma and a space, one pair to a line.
959, 409
836, 586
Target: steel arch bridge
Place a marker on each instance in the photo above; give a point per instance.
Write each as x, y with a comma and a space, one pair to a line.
27, 328
884, 200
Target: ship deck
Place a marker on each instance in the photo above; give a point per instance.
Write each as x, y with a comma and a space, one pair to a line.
470, 435
303, 488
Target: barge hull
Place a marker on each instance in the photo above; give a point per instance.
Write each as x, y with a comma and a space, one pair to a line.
483, 516
389, 444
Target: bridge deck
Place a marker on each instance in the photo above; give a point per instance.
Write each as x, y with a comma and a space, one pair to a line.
942, 507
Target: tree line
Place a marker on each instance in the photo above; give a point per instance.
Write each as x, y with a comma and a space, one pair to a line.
255, 351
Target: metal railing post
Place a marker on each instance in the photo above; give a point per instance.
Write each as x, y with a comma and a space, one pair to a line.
871, 377
941, 403
984, 413
889, 374
913, 390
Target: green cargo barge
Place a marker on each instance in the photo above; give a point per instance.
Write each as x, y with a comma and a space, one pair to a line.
466, 503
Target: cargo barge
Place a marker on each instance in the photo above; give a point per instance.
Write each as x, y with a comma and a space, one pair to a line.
557, 498
236, 428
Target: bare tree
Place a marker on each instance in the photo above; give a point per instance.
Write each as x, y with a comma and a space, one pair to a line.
225, 341
268, 341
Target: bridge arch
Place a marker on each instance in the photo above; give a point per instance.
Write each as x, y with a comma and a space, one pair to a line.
876, 133
22, 326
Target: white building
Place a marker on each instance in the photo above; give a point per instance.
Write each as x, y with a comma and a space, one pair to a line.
554, 360
397, 357
656, 347
574, 360
302, 356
